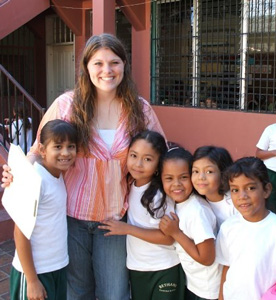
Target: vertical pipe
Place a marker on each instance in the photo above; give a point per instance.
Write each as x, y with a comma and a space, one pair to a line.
154, 41
195, 53
243, 51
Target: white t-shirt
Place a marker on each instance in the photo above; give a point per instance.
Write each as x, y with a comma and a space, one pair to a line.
49, 238
267, 142
142, 255
223, 209
198, 222
21, 138
249, 248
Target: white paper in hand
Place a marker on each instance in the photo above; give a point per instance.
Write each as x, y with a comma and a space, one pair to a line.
21, 198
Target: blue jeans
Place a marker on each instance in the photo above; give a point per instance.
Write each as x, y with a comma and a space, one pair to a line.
97, 264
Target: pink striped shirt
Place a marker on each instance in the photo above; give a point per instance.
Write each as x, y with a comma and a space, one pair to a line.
96, 185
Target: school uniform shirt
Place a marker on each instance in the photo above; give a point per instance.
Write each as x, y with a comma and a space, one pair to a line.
267, 142
142, 255
223, 209
198, 222
249, 249
17, 128
96, 184
49, 238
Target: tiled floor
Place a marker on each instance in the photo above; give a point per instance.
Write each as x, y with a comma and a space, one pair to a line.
6, 256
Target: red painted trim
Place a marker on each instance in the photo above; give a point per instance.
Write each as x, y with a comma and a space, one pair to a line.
103, 16
14, 14
135, 12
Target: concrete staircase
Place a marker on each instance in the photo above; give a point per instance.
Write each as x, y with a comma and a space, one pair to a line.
6, 223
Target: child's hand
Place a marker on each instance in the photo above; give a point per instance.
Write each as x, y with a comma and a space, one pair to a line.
114, 227
6, 176
169, 226
36, 290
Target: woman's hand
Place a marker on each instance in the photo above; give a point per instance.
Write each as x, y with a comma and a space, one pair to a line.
7, 177
114, 227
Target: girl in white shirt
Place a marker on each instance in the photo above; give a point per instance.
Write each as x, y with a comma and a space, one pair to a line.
155, 270
193, 227
209, 164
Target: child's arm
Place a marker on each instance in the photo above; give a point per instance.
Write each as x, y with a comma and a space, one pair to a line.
265, 154
223, 278
154, 236
203, 253
35, 289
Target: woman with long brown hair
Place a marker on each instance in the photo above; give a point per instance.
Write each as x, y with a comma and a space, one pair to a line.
107, 112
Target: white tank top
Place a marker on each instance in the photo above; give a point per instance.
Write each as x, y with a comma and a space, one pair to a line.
107, 136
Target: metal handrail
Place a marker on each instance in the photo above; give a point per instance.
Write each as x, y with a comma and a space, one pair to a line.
6, 102
21, 89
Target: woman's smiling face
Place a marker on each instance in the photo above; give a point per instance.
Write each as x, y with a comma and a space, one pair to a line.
106, 70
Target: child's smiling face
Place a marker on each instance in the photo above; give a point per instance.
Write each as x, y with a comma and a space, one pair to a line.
206, 179
142, 162
176, 179
248, 196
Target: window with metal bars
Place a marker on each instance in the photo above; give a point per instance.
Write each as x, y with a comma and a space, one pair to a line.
17, 52
216, 54
62, 34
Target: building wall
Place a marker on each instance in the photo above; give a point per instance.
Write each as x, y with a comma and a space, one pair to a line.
14, 14
192, 127
236, 131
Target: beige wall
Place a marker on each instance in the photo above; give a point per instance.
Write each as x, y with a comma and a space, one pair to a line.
236, 131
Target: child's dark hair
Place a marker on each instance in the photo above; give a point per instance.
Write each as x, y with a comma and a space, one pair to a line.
158, 143
58, 131
177, 153
219, 156
21, 112
251, 167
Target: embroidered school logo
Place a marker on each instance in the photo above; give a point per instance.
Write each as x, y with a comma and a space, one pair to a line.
168, 287
2, 2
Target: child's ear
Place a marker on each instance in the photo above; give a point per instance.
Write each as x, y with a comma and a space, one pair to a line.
41, 150
268, 190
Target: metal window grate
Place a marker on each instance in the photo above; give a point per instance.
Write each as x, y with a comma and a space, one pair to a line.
62, 33
214, 53
172, 58
260, 90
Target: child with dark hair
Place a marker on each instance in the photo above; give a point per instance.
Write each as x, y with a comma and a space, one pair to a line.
39, 264
193, 227
246, 243
20, 128
155, 270
209, 164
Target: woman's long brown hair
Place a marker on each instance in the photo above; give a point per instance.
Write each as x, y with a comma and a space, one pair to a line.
85, 95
